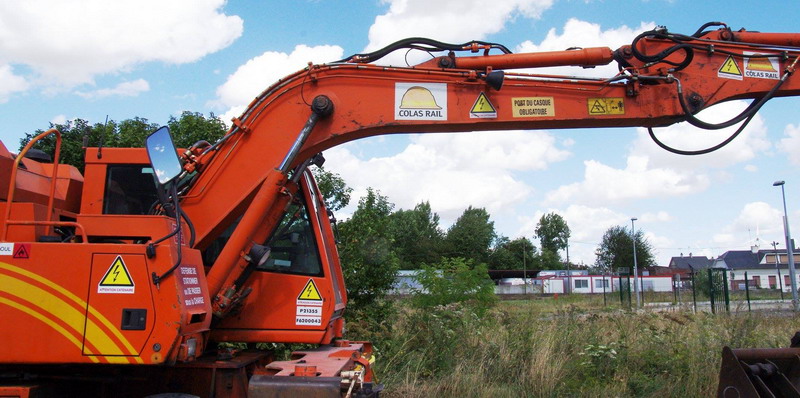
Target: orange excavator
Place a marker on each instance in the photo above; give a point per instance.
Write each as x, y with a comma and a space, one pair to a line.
121, 281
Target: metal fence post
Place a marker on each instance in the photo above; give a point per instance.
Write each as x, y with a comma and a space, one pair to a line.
725, 290
694, 291
711, 291
747, 290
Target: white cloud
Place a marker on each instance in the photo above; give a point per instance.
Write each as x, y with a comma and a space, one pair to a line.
10, 83
577, 33
59, 119
260, 72
791, 144
604, 184
755, 220
124, 89
453, 21
752, 141
451, 171
66, 44
659, 216
653, 172
448, 20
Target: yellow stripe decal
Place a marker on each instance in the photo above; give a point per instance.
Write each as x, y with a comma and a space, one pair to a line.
49, 322
82, 304
62, 310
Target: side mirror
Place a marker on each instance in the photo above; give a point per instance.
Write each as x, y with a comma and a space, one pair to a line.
163, 155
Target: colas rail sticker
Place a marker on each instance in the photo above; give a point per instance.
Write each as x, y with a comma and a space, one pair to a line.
420, 101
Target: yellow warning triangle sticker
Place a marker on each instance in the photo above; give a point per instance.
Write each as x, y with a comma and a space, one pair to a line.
310, 292
483, 107
597, 108
730, 67
117, 274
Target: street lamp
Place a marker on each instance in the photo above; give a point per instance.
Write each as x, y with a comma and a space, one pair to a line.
777, 267
635, 267
789, 251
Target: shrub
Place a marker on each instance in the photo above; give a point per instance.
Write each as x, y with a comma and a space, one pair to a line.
453, 280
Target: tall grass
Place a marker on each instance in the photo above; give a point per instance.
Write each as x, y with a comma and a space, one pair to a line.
540, 348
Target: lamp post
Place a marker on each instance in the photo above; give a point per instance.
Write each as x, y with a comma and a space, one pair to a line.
635, 267
789, 247
777, 267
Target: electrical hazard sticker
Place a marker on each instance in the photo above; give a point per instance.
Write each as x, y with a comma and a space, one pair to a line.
482, 108
533, 107
117, 279
309, 306
420, 101
309, 295
760, 67
730, 69
606, 106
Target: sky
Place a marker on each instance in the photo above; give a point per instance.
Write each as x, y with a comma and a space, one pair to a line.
92, 59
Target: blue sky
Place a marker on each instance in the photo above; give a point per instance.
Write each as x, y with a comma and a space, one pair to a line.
61, 60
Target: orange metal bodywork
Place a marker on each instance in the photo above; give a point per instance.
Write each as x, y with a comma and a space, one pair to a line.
67, 306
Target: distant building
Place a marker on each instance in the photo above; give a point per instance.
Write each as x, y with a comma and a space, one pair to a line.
760, 268
683, 265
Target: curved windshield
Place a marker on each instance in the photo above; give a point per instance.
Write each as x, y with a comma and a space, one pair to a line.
294, 247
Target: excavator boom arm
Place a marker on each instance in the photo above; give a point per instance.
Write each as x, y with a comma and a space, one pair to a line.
664, 78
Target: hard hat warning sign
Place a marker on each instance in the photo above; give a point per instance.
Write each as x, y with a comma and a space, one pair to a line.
532, 107
420, 101
756, 65
117, 279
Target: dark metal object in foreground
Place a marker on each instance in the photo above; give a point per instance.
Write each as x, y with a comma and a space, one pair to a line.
766, 372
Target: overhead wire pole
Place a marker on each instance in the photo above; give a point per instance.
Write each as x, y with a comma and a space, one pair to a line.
635, 267
789, 247
777, 266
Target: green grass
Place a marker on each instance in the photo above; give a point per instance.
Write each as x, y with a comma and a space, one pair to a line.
565, 347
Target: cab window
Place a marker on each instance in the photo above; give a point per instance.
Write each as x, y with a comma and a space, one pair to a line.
293, 244
130, 189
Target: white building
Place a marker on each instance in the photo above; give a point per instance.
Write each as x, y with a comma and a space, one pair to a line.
765, 269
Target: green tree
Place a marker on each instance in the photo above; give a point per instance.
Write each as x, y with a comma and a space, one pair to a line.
455, 280
471, 236
550, 260
130, 133
417, 236
192, 127
616, 249
333, 188
519, 253
369, 262
553, 233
